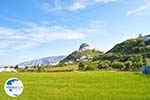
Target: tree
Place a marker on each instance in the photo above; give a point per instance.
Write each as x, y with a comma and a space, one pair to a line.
81, 66
128, 65
141, 44
5, 66
137, 61
11, 66
136, 58
26, 68
90, 67
136, 65
41, 69
16, 67
118, 65
104, 64
146, 61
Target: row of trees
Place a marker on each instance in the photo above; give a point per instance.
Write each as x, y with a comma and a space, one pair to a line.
48, 68
130, 63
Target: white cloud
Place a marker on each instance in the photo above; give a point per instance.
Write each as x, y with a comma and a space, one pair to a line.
4, 44
81, 4
77, 5
24, 45
139, 10
16, 20
48, 6
29, 37
1, 53
106, 1
57, 5
6, 31
46, 34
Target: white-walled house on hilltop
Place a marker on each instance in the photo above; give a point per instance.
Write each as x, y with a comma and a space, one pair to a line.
2, 69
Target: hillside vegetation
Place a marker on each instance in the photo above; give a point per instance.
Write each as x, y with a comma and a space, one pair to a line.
77, 55
132, 46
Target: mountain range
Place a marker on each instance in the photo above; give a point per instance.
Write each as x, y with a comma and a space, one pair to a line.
53, 60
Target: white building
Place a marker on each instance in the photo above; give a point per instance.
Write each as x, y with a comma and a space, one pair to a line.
84, 58
2, 69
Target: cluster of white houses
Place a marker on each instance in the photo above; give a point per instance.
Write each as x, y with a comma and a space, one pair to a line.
3, 69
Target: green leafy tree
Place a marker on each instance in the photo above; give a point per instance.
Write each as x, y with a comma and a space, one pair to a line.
146, 61
16, 67
81, 66
41, 69
118, 65
137, 61
136, 65
26, 68
104, 64
89, 67
128, 65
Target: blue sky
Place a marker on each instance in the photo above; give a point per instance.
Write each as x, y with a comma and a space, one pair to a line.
32, 29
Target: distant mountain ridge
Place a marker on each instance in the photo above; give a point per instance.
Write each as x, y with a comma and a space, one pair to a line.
53, 60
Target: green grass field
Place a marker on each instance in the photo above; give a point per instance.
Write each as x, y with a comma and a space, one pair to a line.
97, 85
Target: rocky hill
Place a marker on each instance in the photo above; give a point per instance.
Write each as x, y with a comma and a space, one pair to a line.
84, 53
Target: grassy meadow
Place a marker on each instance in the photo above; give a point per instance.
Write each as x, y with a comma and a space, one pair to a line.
96, 85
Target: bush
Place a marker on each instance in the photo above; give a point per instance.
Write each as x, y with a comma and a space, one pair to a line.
81, 66
137, 65
146, 61
118, 65
104, 64
90, 67
128, 65
137, 62
41, 69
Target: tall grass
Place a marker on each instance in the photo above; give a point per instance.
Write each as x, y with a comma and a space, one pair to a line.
99, 85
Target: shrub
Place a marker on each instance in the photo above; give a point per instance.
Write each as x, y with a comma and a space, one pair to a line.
41, 69
146, 61
81, 66
118, 65
90, 67
137, 61
128, 65
136, 65
104, 64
